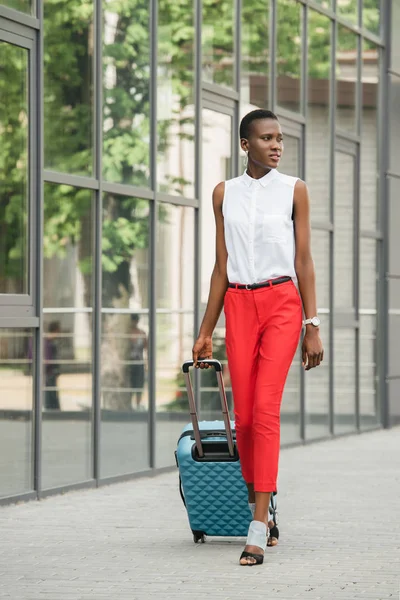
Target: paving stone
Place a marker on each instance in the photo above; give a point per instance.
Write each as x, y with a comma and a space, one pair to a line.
340, 536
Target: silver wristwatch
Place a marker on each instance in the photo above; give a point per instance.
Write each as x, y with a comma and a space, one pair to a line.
313, 321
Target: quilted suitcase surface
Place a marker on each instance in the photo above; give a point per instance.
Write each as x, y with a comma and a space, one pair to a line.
214, 490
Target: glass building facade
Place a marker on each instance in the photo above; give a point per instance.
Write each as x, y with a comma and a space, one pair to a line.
117, 119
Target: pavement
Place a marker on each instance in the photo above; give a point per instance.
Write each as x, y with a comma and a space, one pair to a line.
339, 508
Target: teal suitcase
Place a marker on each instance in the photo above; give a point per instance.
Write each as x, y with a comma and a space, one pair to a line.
210, 479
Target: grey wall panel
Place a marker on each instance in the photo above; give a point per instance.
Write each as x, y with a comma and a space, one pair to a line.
394, 400
394, 344
394, 118
394, 224
395, 26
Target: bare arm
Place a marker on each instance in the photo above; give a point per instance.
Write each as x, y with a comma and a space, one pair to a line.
304, 266
218, 285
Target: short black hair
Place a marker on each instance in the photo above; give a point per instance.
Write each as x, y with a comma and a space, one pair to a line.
254, 115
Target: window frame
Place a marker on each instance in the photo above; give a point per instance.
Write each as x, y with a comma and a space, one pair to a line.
13, 307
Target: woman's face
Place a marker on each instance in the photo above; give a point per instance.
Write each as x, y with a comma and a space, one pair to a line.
265, 143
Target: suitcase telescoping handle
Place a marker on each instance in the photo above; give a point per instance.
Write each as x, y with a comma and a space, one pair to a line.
224, 404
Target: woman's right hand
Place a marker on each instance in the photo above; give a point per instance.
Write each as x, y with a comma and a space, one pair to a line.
202, 349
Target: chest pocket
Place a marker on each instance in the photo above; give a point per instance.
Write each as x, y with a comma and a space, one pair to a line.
277, 229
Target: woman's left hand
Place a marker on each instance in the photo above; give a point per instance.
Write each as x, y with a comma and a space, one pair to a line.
312, 350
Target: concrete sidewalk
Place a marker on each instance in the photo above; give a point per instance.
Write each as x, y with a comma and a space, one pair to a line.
339, 505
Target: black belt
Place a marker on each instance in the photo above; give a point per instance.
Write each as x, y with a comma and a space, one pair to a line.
255, 286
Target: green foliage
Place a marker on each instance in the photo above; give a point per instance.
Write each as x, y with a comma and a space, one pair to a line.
68, 104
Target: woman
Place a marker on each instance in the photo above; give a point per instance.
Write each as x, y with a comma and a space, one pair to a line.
262, 248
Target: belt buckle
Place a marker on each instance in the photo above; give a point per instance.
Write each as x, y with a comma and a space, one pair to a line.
248, 287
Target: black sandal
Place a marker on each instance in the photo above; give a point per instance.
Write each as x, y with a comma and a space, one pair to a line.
259, 558
257, 536
273, 533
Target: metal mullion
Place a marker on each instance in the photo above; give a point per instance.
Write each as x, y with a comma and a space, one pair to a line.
383, 279
319, 8
304, 62
197, 186
272, 53
20, 19
130, 191
152, 355
356, 280
393, 71
332, 118
321, 226
359, 87
287, 114
38, 116
302, 167
237, 44
360, 13
98, 200
72, 180
177, 200
347, 136
376, 235
220, 90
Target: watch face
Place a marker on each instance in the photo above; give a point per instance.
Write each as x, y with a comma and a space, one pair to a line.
316, 321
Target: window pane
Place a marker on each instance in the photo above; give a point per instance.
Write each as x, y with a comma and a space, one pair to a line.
290, 163
318, 119
368, 274
344, 380
394, 97
175, 323
395, 38
126, 72
371, 15
14, 164
217, 166
210, 400
67, 247
125, 259
255, 55
317, 389
320, 247
67, 399
369, 408
348, 9
175, 257
289, 51
346, 79
125, 333
16, 405
124, 394
369, 136
68, 86
174, 345
175, 98
344, 231
218, 42
21, 5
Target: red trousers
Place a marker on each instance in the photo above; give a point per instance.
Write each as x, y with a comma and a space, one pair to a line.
262, 333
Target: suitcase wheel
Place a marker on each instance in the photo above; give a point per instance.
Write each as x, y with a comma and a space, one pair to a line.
199, 536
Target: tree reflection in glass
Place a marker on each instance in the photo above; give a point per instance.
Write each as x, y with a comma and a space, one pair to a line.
126, 73
14, 131
175, 98
289, 53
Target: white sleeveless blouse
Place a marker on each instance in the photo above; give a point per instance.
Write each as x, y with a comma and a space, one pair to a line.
259, 233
